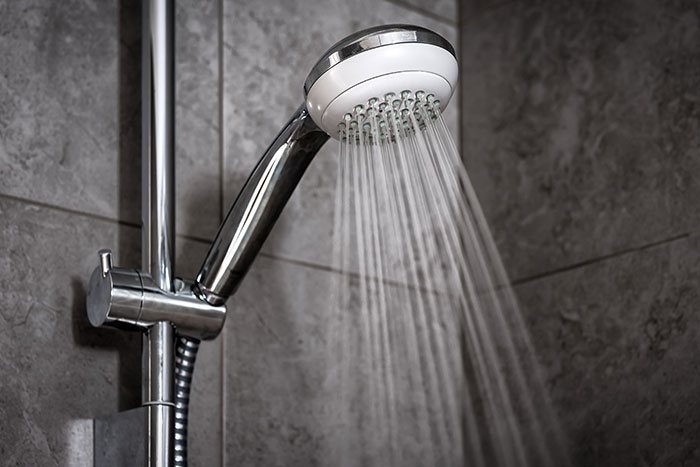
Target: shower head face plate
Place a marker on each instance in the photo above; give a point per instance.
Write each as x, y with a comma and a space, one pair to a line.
374, 62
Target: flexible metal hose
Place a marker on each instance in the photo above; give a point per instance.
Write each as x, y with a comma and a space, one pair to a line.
185, 355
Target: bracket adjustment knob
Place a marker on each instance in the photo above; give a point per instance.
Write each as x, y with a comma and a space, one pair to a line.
105, 261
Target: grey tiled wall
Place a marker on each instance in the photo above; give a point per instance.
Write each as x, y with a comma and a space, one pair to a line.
70, 184
580, 130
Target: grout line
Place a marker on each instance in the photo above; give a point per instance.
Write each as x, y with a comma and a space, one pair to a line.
478, 12
496, 5
109, 220
353, 274
195, 238
424, 12
514, 282
588, 262
54, 207
220, 91
222, 346
300, 262
460, 70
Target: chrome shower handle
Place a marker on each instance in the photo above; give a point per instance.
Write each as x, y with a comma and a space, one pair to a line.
257, 207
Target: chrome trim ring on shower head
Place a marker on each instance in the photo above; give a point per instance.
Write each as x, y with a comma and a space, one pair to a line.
372, 38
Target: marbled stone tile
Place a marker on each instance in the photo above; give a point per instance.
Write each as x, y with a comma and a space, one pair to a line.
269, 49
274, 367
469, 10
197, 118
111, 433
57, 370
618, 340
445, 9
580, 126
70, 113
59, 104
189, 257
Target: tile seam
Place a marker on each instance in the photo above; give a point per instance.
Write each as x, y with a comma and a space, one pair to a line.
64, 210
522, 280
602, 258
479, 12
424, 12
460, 70
222, 344
89, 215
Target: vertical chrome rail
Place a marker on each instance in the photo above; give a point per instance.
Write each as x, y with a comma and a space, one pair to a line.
157, 371
158, 200
158, 125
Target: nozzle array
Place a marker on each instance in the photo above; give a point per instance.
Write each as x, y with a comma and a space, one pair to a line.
380, 121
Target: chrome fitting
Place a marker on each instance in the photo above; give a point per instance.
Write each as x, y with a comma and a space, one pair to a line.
128, 298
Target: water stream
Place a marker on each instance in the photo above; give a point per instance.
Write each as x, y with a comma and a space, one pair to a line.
429, 360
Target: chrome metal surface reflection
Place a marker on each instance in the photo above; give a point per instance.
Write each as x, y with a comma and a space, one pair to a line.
158, 142
130, 299
158, 217
257, 207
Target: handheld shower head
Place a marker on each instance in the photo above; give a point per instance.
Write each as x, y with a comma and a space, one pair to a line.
374, 63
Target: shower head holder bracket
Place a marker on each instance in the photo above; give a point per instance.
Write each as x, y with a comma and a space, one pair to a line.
129, 299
